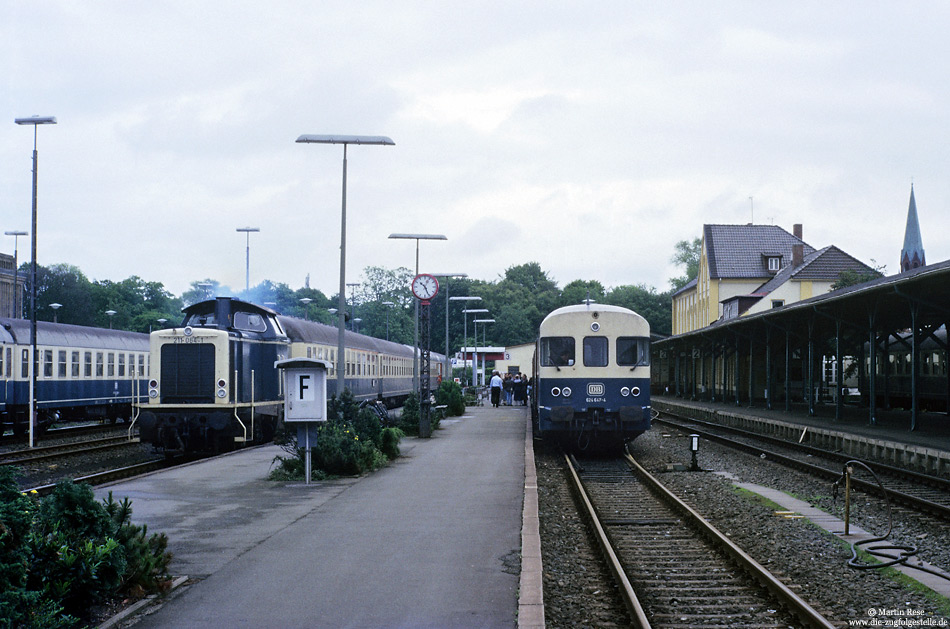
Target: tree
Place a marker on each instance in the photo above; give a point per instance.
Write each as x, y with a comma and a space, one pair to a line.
687, 255
579, 290
656, 308
850, 277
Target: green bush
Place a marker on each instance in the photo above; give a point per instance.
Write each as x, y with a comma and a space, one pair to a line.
409, 419
449, 393
63, 554
389, 442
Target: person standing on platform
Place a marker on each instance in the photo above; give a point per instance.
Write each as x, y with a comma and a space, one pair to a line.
521, 389
496, 386
507, 388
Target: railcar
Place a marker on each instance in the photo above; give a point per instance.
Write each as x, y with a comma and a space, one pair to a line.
592, 376
83, 373
213, 382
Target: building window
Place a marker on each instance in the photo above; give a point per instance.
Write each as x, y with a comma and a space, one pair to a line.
778, 303
775, 263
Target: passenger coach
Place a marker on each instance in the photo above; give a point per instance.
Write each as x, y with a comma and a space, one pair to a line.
592, 366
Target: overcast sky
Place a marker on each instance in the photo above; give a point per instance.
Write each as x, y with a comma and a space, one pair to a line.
586, 136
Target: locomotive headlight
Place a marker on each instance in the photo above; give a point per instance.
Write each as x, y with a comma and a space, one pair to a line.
222, 383
566, 391
153, 384
188, 331
635, 391
555, 391
222, 393
625, 391
153, 393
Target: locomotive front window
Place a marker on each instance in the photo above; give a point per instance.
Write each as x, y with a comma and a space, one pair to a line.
249, 321
595, 351
202, 320
557, 351
633, 351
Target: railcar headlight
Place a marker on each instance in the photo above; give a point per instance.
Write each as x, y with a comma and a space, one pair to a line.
222, 393
625, 391
595, 326
566, 391
635, 391
555, 391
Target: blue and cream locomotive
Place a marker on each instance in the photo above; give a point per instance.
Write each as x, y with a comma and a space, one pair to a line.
592, 376
213, 383
83, 373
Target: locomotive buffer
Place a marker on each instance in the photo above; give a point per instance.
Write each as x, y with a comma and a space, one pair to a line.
305, 400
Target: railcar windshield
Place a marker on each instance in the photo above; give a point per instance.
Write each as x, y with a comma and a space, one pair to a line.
595, 351
557, 351
633, 351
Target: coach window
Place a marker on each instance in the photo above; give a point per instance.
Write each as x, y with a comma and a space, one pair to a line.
595, 351
48, 363
99, 365
141, 365
1, 362
633, 351
25, 364
75, 364
121, 365
87, 365
111, 371
557, 351
62, 363
9, 361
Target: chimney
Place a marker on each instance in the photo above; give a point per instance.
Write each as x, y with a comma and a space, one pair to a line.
797, 230
798, 250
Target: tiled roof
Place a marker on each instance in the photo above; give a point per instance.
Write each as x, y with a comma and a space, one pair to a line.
735, 251
824, 265
688, 286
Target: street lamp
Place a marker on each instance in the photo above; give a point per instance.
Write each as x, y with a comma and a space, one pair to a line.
485, 355
464, 318
352, 286
389, 308
356, 324
475, 311
447, 363
306, 307
163, 321
17, 309
415, 352
111, 314
35, 121
341, 311
55, 307
247, 277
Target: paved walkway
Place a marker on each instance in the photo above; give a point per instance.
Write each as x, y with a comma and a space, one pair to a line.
433, 540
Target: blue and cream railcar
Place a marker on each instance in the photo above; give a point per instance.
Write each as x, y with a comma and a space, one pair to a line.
592, 366
213, 381
83, 372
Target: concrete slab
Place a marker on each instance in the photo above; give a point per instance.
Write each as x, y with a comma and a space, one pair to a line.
433, 540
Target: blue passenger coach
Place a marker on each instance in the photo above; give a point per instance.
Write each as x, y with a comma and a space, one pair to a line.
592, 376
82, 373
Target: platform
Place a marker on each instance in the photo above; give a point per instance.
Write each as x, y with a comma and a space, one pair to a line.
888, 440
432, 540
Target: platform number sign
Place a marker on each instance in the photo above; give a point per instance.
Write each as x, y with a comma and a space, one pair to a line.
305, 390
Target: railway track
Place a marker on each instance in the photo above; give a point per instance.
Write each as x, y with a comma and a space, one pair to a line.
45, 453
673, 569
920, 492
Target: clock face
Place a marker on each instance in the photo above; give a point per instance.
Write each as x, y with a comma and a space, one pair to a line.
425, 286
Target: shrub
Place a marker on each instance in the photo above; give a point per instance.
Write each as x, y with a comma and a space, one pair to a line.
450, 394
409, 419
389, 442
147, 557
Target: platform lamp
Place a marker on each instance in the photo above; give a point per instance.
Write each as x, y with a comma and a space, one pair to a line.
345, 140
447, 366
465, 313
247, 263
415, 343
389, 308
306, 307
111, 314
17, 308
35, 121
55, 307
485, 355
464, 319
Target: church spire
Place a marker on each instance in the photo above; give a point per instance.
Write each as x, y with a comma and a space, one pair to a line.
912, 255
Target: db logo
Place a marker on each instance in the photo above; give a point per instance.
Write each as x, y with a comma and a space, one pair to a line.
595, 388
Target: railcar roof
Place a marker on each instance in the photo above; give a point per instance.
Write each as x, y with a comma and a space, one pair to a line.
237, 305
67, 335
593, 307
303, 331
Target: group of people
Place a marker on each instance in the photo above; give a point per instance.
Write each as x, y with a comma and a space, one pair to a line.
514, 387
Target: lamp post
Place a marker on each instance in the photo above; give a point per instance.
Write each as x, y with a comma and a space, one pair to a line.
345, 140
389, 308
447, 368
464, 318
17, 310
247, 272
306, 307
415, 344
163, 321
111, 314
352, 286
484, 355
475, 311
356, 324
55, 307
35, 121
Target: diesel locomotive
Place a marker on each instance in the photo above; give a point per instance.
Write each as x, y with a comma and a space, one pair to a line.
213, 383
592, 376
